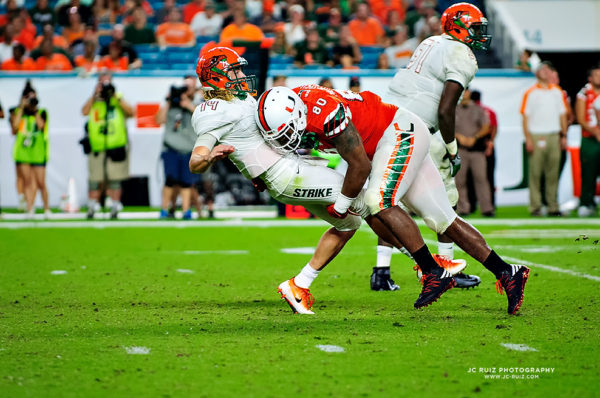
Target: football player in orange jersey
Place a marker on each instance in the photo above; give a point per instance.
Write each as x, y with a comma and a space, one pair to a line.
390, 146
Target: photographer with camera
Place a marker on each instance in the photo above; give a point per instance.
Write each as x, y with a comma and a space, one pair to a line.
178, 143
106, 144
29, 124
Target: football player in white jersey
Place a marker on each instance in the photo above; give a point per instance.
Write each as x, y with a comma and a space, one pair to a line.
225, 125
430, 86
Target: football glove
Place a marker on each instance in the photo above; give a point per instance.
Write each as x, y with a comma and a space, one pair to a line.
454, 163
334, 213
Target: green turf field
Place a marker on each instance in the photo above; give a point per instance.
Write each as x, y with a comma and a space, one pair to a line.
200, 308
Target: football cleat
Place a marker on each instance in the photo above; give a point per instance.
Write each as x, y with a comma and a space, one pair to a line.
452, 266
300, 300
434, 286
464, 281
381, 280
513, 283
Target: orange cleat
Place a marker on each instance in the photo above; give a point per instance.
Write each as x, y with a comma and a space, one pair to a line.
300, 300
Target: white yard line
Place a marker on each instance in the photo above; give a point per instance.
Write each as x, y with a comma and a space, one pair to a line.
553, 268
330, 348
135, 350
517, 347
287, 223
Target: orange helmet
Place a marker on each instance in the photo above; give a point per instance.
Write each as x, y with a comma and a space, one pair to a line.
465, 23
220, 68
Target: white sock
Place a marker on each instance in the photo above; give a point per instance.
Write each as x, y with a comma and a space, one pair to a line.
306, 277
405, 251
446, 249
384, 256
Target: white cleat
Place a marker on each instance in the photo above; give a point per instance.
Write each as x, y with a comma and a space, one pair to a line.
300, 300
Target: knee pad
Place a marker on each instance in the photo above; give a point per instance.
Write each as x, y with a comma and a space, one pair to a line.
171, 182
439, 225
115, 185
93, 185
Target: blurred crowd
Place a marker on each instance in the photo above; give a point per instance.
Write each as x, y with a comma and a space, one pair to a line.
91, 35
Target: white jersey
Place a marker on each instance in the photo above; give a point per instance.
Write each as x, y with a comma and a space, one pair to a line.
419, 87
232, 123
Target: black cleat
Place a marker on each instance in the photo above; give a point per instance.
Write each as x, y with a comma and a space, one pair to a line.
434, 286
513, 282
464, 281
381, 280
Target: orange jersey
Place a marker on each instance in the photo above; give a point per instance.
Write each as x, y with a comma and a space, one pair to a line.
330, 111
26, 64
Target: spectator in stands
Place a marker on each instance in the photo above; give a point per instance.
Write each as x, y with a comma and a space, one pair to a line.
294, 29
472, 128
394, 23
42, 14
346, 48
523, 61
311, 50
432, 27
48, 33
415, 19
330, 30
50, 60
326, 82
192, 8
7, 42
266, 21
24, 31
108, 161
115, 60
490, 153
29, 124
178, 142
18, 61
75, 29
233, 7
107, 11
138, 31
161, 14
382, 62
382, 9
89, 34
207, 22
545, 128
118, 35
279, 81
367, 30
354, 85
131, 5
587, 108
402, 48
65, 7
88, 61
280, 45
175, 33
241, 30
12, 10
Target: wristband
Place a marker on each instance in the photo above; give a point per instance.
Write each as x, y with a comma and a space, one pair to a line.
342, 203
452, 147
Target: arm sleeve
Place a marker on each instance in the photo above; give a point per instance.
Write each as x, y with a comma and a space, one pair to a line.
206, 140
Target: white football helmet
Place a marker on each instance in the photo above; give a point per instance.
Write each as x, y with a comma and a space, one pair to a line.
281, 118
